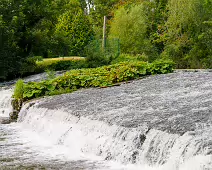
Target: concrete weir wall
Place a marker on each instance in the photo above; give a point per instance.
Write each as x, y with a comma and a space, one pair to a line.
162, 120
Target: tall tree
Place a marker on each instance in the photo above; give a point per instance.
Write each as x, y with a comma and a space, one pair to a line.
72, 34
188, 23
129, 25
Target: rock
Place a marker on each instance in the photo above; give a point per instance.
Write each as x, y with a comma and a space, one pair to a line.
17, 105
14, 115
4, 120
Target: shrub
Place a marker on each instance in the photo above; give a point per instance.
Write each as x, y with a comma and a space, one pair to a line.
50, 74
30, 65
129, 57
19, 90
97, 56
95, 77
38, 58
160, 67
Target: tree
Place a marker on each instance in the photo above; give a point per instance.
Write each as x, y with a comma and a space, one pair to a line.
73, 32
27, 28
187, 27
129, 25
156, 12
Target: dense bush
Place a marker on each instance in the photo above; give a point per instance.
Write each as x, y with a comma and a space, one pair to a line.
180, 30
129, 57
95, 77
97, 56
73, 32
189, 33
130, 26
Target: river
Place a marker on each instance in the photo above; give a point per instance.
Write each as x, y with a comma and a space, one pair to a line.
162, 122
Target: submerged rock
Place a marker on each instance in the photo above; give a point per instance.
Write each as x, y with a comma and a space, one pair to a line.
4, 120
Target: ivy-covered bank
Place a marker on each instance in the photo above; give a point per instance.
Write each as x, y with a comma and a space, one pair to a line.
93, 77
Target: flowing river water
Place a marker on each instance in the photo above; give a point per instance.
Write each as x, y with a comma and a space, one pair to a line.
162, 122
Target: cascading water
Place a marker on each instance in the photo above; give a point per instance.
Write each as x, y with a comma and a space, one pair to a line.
5, 102
136, 125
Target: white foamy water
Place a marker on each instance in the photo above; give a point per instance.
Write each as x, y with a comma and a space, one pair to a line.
5, 102
57, 134
50, 144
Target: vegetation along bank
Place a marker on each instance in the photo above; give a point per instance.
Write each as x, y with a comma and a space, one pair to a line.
104, 76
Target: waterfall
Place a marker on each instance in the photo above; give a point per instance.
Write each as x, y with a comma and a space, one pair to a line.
5, 102
6, 92
137, 145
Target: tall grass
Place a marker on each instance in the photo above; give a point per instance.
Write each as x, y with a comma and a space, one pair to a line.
19, 90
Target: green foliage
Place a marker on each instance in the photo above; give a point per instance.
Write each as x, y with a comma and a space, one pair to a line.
95, 77
60, 65
73, 32
39, 28
97, 10
180, 30
156, 13
97, 56
51, 74
28, 66
129, 58
183, 16
38, 58
189, 33
160, 67
33, 66
19, 90
129, 25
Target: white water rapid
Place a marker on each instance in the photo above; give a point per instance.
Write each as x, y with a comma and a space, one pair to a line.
86, 130
5, 102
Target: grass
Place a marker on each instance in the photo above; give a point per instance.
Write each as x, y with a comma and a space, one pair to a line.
61, 63
19, 90
52, 60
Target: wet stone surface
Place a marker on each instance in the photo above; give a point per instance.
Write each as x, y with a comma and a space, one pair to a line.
175, 103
